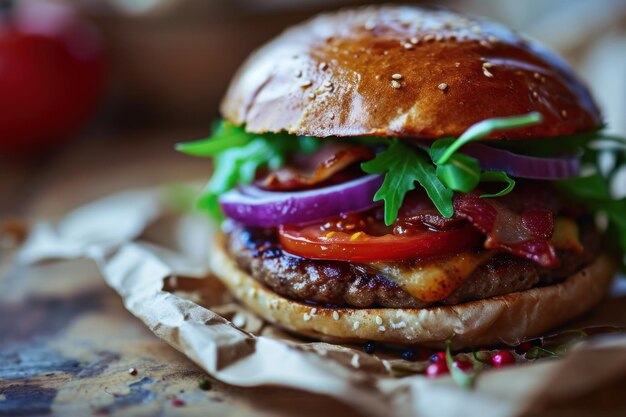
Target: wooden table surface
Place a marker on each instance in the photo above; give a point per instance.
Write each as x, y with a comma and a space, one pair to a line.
66, 341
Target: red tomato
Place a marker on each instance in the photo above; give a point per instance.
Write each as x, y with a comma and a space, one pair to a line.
362, 240
51, 75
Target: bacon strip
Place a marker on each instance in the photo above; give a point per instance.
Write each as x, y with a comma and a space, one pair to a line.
527, 234
316, 169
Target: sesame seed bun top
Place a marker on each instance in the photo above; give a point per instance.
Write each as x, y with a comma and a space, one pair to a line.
408, 72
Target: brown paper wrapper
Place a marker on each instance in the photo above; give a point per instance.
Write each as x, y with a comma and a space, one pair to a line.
157, 261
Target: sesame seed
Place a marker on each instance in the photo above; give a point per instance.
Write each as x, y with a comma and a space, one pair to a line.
395, 84
399, 325
306, 84
356, 325
408, 45
414, 40
537, 75
306, 317
564, 113
487, 73
335, 315
369, 25
429, 38
312, 96
443, 86
487, 65
457, 64
379, 320
323, 66
132, 371
330, 115
328, 84
382, 329
385, 52
397, 76
298, 73
492, 39
485, 44
535, 95
313, 311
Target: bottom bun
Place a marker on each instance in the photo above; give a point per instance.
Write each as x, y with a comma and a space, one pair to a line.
507, 319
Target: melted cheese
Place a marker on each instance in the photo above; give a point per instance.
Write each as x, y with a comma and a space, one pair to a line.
433, 280
566, 235
436, 279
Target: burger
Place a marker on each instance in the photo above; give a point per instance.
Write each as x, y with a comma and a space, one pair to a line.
411, 176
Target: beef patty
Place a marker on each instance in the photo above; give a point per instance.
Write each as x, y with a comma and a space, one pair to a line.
341, 283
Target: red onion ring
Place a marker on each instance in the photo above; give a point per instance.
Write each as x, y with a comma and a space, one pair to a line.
516, 165
523, 166
255, 207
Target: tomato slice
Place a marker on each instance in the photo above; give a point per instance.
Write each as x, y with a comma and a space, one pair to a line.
316, 242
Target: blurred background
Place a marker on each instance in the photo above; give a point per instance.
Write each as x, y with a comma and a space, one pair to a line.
95, 93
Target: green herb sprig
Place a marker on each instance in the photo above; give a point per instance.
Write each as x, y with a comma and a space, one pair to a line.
404, 165
462, 378
446, 172
237, 155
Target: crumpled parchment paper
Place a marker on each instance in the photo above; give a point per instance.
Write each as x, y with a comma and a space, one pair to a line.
157, 261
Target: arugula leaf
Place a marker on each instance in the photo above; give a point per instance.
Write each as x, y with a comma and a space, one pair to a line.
226, 136
497, 176
462, 378
237, 155
592, 187
460, 173
454, 172
594, 191
537, 352
591, 142
232, 167
403, 166
486, 127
